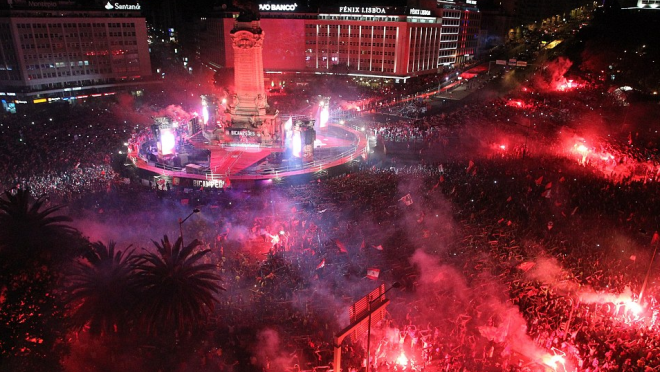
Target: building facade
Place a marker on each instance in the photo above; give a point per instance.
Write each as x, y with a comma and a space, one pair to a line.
210, 41
48, 52
370, 41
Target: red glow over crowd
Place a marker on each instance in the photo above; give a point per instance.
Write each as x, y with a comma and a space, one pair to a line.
519, 227
565, 85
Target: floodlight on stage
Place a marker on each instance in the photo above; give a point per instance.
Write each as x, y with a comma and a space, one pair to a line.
296, 144
205, 114
167, 141
323, 118
288, 124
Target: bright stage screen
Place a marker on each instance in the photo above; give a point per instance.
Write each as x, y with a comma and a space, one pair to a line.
167, 141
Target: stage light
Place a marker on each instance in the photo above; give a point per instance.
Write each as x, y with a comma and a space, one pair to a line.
205, 114
324, 117
167, 141
296, 144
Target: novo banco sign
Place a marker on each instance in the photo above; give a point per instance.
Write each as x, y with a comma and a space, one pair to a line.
278, 7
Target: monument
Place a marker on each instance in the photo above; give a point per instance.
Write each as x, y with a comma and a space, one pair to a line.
249, 142
249, 116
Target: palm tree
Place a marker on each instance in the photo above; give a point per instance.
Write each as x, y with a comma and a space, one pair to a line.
34, 244
176, 291
100, 289
31, 234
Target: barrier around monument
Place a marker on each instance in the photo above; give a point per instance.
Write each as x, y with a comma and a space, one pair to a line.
348, 155
353, 153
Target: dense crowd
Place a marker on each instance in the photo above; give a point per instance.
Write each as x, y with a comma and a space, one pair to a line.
510, 215
62, 152
508, 256
559, 124
270, 247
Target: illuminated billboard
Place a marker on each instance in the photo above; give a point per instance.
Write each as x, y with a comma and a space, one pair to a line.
278, 7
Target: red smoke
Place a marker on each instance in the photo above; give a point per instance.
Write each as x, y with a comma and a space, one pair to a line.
554, 78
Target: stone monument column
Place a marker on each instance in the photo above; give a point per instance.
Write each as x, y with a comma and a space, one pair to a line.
247, 39
248, 109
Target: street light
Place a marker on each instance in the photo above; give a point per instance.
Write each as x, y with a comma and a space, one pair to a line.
648, 273
489, 63
394, 285
196, 210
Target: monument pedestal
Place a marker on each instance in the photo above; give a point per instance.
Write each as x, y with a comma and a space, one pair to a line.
249, 117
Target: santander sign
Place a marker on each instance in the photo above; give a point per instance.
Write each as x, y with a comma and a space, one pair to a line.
118, 6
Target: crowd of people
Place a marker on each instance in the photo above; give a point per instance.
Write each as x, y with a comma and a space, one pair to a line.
294, 260
511, 214
507, 216
554, 123
62, 152
514, 250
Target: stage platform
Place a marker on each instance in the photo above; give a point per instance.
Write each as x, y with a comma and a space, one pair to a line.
234, 162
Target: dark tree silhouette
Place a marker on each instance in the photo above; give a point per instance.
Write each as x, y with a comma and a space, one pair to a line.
31, 234
176, 290
34, 245
100, 290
